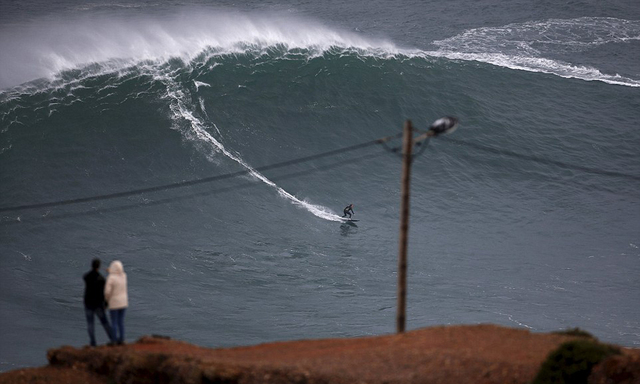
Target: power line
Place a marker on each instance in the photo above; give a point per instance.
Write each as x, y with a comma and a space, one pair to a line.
198, 194
540, 160
188, 183
383, 141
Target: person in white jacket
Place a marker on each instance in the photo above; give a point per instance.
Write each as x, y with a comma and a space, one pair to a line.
115, 292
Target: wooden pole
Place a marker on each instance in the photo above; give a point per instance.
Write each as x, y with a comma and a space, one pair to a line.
407, 146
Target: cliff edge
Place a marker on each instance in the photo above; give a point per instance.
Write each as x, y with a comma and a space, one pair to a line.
479, 354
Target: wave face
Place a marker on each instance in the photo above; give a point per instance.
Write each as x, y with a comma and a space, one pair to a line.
54, 46
526, 216
570, 48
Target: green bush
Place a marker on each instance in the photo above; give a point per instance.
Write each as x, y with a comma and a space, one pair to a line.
572, 362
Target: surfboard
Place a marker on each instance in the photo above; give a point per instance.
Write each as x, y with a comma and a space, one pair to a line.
349, 220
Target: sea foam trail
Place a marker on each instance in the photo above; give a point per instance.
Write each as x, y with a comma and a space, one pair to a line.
541, 65
198, 132
529, 46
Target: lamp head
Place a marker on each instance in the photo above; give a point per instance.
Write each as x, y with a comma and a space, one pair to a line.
445, 124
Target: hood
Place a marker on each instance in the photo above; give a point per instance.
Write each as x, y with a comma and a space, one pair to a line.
116, 267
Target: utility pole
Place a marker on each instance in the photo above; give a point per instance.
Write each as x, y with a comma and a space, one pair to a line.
445, 124
407, 146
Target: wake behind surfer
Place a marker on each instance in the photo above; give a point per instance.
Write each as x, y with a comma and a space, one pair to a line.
348, 210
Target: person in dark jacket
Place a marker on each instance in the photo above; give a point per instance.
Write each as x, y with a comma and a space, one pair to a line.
94, 302
348, 210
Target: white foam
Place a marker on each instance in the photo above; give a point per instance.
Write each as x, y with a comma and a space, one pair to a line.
198, 133
199, 84
529, 46
45, 48
542, 65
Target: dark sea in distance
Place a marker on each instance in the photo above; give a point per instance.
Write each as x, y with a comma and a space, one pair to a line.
527, 216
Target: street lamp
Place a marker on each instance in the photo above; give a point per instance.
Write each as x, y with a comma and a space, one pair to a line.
443, 125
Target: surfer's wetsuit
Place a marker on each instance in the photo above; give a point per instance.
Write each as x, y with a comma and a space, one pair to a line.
348, 210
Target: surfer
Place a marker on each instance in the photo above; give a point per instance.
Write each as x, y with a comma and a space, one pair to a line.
348, 210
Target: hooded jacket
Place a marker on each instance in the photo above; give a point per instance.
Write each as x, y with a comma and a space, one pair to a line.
115, 290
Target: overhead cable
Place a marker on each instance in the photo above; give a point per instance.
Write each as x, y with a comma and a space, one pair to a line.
540, 160
188, 183
168, 200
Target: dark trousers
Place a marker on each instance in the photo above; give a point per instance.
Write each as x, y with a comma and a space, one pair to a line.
89, 313
117, 320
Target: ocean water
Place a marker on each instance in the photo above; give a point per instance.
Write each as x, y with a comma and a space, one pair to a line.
211, 145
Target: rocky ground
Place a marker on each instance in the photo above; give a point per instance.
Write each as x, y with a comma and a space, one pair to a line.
479, 354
